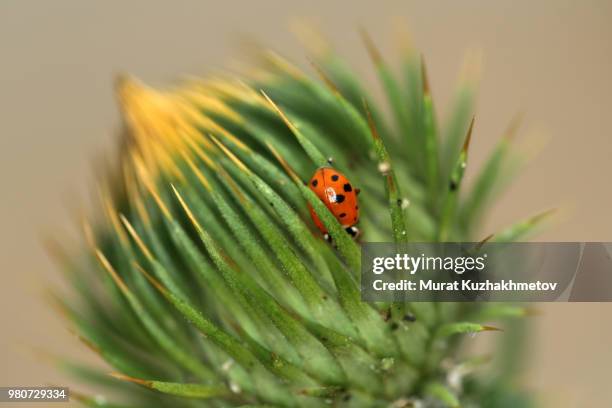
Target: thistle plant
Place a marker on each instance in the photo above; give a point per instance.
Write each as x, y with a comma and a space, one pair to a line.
204, 282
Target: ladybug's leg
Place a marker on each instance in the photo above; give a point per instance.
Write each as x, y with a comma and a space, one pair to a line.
353, 232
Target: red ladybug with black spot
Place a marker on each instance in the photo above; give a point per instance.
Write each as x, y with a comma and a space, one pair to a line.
339, 196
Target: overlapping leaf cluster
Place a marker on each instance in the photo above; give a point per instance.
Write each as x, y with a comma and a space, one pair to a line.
205, 280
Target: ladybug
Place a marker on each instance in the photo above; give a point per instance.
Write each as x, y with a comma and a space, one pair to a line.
339, 196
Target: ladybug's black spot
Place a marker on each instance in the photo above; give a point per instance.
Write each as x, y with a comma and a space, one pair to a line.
347, 187
354, 218
356, 207
342, 215
315, 182
340, 198
335, 177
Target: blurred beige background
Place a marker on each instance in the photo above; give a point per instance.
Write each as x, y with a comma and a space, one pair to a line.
550, 59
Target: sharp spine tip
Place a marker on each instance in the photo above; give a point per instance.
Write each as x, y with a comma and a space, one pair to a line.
326, 79
424, 78
544, 214
468, 138
484, 241
515, 123
123, 377
369, 44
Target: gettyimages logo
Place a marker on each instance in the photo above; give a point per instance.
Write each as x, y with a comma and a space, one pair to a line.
414, 264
